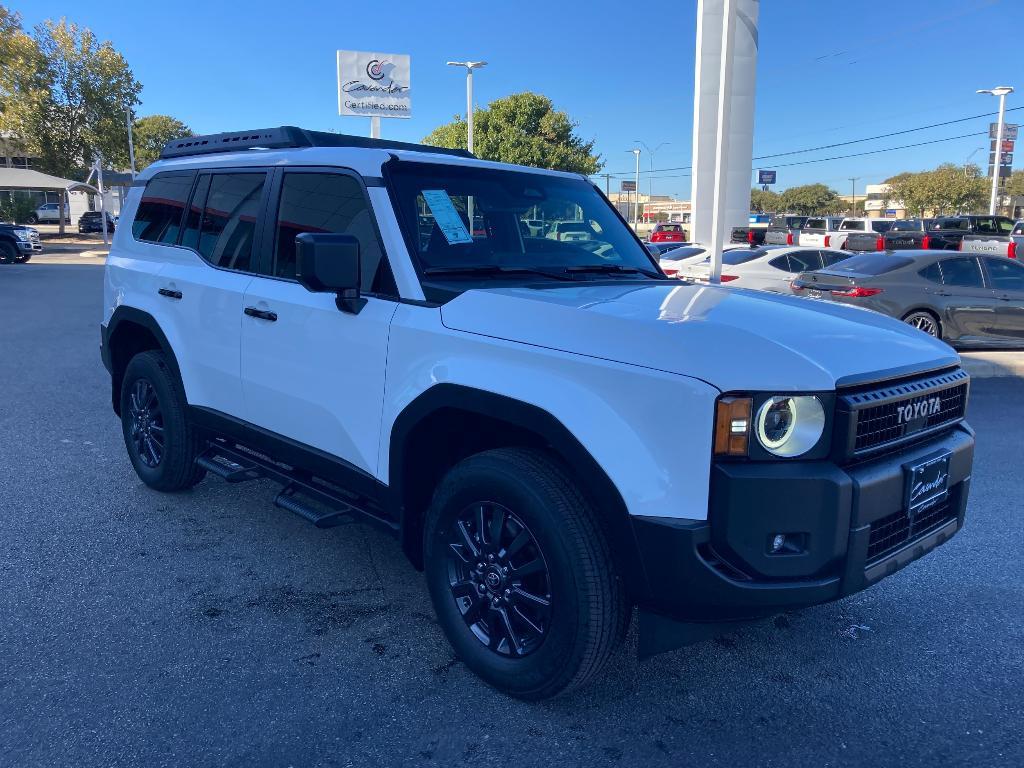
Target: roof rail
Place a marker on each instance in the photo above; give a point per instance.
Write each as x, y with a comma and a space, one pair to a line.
287, 136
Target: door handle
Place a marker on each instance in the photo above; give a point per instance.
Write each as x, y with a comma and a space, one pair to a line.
262, 314
170, 294
1005, 297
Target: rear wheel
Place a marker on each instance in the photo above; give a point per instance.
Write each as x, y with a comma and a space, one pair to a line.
520, 574
925, 321
161, 444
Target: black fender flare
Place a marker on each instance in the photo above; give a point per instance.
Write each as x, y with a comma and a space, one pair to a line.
121, 316
594, 482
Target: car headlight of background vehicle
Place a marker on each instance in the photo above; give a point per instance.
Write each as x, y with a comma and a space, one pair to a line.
21, 234
768, 426
789, 425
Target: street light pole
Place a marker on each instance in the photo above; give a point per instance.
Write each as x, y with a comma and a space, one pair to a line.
651, 153
131, 142
853, 194
1000, 91
636, 193
470, 66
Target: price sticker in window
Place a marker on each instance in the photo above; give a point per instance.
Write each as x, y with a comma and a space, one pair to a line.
447, 218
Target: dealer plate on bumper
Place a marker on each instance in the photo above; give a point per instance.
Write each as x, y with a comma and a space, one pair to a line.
926, 484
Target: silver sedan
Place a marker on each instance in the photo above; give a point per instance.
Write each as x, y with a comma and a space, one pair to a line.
764, 268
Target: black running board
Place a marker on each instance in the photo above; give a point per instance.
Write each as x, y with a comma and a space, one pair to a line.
314, 500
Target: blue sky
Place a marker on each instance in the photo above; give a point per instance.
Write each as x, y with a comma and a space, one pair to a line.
828, 71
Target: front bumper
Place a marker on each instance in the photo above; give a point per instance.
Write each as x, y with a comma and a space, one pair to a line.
850, 522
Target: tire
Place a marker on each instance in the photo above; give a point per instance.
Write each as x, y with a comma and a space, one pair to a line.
926, 322
32, 219
22, 258
526, 511
153, 410
8, 253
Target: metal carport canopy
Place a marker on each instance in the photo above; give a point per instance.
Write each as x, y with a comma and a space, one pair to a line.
21, 178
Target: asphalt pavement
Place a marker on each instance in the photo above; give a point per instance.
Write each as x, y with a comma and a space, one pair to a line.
210, 628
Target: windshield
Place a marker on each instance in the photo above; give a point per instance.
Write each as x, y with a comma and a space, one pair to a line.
581, 229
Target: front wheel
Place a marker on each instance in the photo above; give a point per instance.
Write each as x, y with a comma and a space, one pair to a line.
925, 321
8, 253
520, 574
162, 445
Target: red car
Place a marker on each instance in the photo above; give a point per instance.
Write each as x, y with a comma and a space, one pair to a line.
667, 233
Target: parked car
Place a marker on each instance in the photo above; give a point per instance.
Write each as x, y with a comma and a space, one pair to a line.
819, 231
91, 221
657, 249
784, 229
874, 241
673, 259
860, 226
945, 233
667, 233
18, 243
48, 213
567, 231
494, 402
752, 234
964, 299
1004, 238
765, 268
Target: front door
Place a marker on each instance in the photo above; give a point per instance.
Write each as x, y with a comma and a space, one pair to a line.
311, 372
1006, 277
968, 305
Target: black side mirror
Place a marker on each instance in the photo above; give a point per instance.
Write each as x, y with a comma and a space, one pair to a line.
329, 262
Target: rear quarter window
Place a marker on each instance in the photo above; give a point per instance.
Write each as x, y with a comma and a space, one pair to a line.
158, 218
871, 264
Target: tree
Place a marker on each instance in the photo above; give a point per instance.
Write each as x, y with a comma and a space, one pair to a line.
764, 201
811, 199
1015, 184
65, 94
151, 133
525, 129
947, 189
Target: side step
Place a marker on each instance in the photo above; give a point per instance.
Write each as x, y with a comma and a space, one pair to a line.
314, 500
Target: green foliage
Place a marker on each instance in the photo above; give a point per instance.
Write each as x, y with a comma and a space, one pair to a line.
947, 189
151, 133
525, 129
811, 199
64, 93
17, 207
1015, 184
764, 202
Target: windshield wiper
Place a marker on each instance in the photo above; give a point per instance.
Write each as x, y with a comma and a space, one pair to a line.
612, 269
492, 269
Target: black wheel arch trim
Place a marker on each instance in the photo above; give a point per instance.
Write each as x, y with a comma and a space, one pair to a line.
594, 482
121, 316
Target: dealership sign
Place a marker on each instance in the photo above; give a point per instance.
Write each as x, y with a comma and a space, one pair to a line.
766, 177
374, 84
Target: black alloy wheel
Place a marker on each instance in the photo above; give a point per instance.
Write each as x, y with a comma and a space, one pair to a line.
147, 423
499, 579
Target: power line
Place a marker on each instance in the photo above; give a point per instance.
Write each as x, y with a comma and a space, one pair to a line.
843, 144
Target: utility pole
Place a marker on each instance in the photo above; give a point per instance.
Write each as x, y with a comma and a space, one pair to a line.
636, 203
607, 184
131, 142
1000, 91
853, 194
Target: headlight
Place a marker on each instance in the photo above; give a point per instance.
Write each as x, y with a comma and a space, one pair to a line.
21, 234
790, 426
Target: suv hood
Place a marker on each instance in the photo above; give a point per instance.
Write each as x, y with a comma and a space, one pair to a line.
732, 338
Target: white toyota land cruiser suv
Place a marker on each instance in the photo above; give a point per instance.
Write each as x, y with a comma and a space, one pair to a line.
315, 309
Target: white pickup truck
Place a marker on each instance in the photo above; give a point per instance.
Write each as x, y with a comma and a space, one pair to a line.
822, 232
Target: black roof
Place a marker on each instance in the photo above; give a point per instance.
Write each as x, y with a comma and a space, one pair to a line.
288, 136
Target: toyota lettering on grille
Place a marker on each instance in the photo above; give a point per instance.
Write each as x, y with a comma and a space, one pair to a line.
918, 409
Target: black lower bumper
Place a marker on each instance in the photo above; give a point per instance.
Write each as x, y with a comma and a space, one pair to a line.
849, 525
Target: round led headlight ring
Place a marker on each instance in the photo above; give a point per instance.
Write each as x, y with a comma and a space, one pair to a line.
790, 426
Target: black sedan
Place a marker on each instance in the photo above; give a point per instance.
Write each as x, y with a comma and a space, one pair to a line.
90, 221
968, 300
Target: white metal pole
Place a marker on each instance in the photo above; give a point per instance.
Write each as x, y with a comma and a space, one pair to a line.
996, 156
469, 108
374, 127
718, 213
636, 205
103, 208
131, 142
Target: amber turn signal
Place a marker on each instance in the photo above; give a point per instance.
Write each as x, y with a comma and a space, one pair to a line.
732, 426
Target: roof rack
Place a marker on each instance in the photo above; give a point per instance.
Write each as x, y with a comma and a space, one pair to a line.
288, 136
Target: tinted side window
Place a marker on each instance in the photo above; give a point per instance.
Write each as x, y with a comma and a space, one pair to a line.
1006, 275
329, 202
932, 273
781, 262
962, 272
227, 227
804, 261
158, 218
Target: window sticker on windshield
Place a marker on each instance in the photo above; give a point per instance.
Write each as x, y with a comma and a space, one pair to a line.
447, 218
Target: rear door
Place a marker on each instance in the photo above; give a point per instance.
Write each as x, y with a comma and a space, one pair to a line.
968, 306
313, 373
1006, 277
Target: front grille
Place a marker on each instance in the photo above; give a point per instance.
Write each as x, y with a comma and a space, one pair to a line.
893, 531
878, 417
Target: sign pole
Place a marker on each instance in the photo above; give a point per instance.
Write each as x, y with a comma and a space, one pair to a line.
997, 157
375, 127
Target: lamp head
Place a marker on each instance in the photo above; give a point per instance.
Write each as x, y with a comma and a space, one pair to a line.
1000, 90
